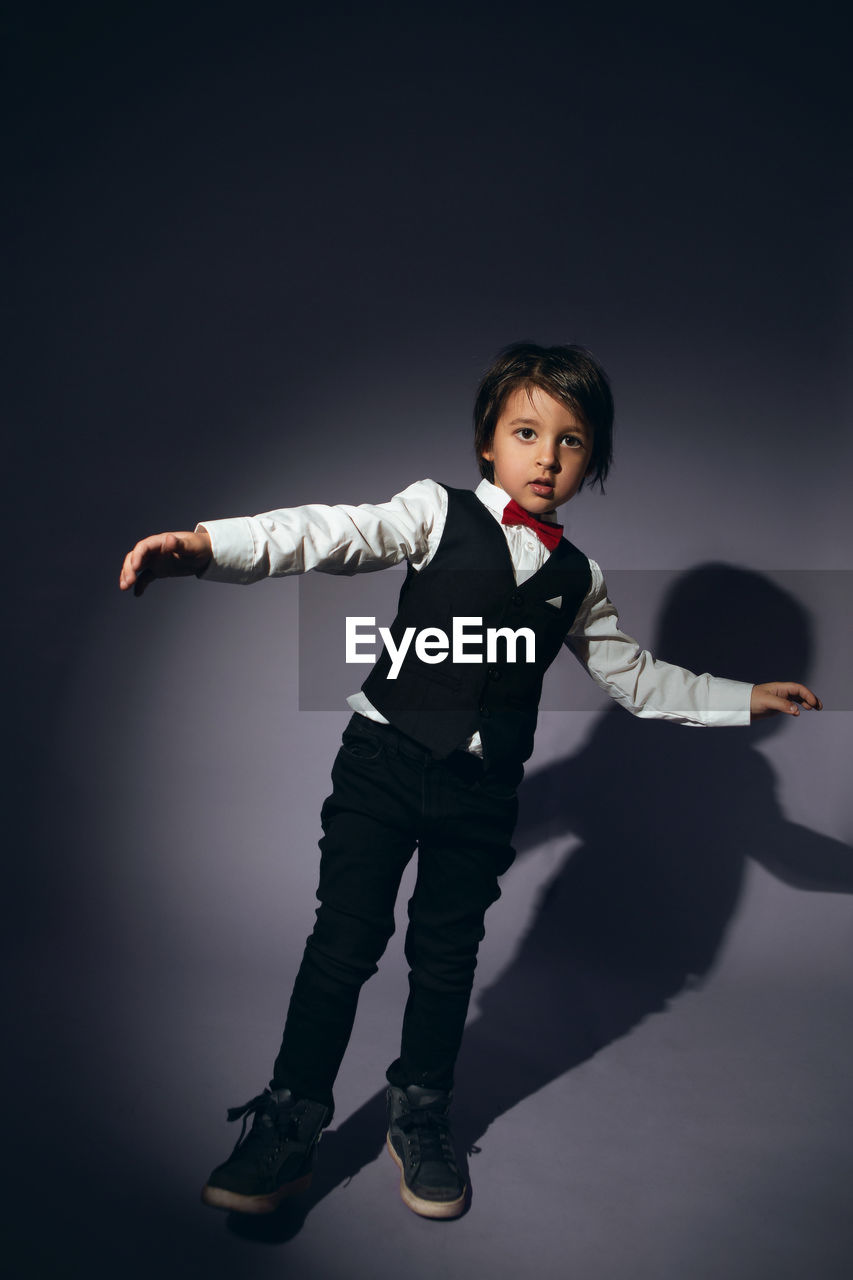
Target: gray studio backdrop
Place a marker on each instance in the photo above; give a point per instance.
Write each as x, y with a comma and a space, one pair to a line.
672, 946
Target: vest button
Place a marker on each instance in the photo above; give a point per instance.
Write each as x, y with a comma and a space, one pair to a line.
485, 712
517, 600
494, 673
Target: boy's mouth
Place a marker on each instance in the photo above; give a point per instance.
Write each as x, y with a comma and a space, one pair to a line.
543, 488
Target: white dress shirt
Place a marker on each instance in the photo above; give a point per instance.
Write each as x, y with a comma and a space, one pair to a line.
358, 539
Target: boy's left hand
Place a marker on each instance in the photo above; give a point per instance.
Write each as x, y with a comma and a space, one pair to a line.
784, 696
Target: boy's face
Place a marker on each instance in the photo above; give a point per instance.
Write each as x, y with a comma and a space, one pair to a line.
540, 451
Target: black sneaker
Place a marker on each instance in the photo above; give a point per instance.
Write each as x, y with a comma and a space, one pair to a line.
274, 1159
419, 1141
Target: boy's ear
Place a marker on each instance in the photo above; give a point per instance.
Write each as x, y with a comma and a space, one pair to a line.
488, 455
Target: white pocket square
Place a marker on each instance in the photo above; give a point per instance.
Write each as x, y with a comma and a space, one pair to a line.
556, 601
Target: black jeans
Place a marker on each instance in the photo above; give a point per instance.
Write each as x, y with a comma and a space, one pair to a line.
388, 797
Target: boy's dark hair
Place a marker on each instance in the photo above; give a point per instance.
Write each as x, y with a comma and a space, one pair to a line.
570, 374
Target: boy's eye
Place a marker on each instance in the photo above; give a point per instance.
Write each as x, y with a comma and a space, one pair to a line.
527, 434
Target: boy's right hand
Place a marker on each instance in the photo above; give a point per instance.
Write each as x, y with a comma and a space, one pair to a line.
164, 555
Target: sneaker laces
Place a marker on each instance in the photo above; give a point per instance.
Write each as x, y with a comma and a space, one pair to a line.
265, 1124
432, 1130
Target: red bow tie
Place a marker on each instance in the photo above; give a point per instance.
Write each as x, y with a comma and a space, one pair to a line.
550, 534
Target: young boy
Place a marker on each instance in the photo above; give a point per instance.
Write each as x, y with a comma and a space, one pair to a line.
435, 750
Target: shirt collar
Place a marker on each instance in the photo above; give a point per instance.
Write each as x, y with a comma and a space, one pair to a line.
496, 499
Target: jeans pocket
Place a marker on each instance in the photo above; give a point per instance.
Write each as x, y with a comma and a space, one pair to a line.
496, 790
361, 746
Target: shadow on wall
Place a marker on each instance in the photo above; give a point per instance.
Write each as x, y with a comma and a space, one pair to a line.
667, 817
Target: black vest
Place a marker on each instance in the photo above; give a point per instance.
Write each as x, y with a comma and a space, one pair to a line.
471, 575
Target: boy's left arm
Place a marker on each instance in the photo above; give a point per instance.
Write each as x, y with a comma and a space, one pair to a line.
650, 688
781, 696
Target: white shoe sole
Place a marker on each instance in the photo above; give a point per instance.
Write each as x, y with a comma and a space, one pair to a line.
220, 1198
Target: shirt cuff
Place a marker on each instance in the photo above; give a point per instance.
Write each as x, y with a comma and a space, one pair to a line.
729, 703
232, 551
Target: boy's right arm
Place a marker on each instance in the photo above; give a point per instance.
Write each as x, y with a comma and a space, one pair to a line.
339, 539
165, 555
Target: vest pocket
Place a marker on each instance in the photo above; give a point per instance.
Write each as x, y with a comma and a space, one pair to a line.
443, 674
